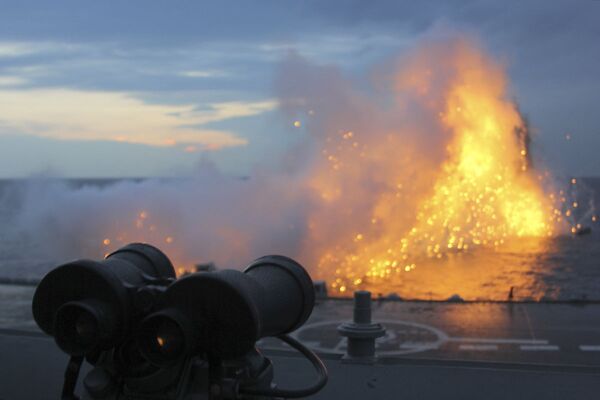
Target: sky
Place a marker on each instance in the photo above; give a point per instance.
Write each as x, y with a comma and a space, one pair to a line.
150, 88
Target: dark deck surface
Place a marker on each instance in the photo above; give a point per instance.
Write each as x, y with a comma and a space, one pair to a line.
431, 351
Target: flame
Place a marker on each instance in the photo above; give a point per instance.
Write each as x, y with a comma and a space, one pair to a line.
483, 193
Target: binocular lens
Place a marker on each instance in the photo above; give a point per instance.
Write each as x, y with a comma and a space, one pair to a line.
169, 338
86, 327
162, 340
77, 328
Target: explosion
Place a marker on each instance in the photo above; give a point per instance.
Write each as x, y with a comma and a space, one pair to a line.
482, 194
392, 190
422, 182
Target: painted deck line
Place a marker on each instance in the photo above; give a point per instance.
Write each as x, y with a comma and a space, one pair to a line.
589, 347
478, 347
548, 347
499, 341
419, 346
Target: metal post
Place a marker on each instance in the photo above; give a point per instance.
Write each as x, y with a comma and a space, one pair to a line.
361, 333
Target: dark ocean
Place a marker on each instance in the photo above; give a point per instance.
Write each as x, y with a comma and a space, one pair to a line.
564, 268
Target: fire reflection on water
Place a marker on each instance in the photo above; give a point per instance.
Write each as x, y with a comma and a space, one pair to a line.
481, 274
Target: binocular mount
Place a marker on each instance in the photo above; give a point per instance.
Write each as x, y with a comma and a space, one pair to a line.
149, 335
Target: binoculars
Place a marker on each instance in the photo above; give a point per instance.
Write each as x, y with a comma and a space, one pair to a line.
150, 335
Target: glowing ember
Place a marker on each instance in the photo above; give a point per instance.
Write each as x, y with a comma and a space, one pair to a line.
143, 228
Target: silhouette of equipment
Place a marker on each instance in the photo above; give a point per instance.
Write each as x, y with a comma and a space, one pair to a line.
149, 335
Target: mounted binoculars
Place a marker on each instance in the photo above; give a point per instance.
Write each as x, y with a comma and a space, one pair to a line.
149, 335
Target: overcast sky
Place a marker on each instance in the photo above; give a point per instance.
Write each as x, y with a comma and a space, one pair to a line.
134, 88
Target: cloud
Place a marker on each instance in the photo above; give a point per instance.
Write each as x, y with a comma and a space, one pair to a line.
12, 80
25, 155
219, 52
202, 74
88, 115
8, 49
16, 49
234, 109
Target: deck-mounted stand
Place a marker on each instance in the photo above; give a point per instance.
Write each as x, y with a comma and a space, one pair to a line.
361, 333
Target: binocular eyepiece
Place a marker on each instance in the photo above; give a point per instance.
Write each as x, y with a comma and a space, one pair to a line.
222, 314
90, 306
133, 296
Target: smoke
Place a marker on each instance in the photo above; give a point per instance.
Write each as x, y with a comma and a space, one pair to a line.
207, 217
372, 148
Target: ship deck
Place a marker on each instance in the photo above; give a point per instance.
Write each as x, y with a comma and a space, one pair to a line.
431, 349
